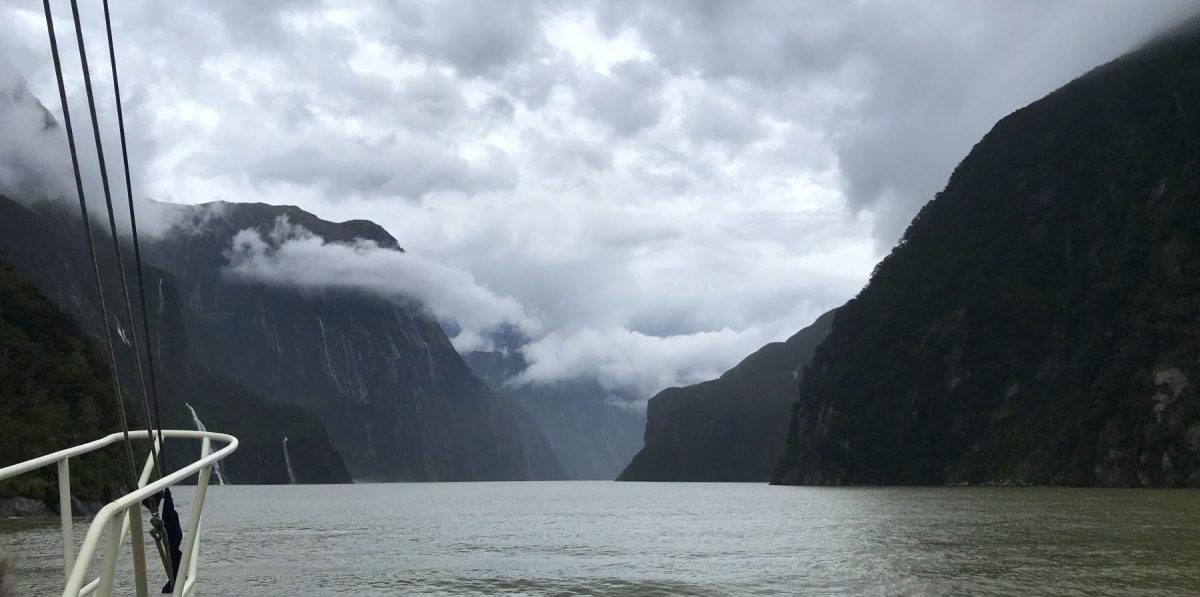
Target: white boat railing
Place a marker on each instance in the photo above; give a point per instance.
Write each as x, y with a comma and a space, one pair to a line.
124, 514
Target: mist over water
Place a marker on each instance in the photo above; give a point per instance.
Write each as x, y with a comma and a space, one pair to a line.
607, 538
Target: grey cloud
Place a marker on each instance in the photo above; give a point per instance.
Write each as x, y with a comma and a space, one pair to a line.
718, 119
616, 358
32, 165
766, 42
430, 102
534, 81
297, 113
916, 83
567, 154
591, 155
256, 24
627, 100
477, 38
498, 109
920, 117
411, 169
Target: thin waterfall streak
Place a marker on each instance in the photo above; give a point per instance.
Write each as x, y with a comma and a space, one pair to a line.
288, 461
216, 467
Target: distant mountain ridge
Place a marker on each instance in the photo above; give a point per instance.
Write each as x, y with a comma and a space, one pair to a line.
731, 428
1038, 323
225, 216
593, 436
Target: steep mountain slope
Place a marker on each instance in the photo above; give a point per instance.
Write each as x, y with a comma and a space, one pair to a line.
1040, 320
44, 244
731, 428
399, 401
593, 436
55, 392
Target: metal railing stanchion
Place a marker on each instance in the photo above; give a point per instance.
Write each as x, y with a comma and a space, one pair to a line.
191, 538
112, 548
64, 511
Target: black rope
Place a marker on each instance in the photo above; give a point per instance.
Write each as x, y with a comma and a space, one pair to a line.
112, 219
160, 458
166, 534
87, 231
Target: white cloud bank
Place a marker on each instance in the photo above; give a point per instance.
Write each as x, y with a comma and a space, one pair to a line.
618, 357
291, 255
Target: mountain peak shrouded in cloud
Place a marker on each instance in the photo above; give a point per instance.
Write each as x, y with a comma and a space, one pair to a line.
35, 161
684, 180
194, 219
289, 254
32, 163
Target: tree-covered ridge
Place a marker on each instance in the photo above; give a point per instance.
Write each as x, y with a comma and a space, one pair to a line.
55, 392
1040, 320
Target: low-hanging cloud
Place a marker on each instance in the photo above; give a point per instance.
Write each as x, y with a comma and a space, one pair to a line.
35, 162
32, 165
617, 358
291, 255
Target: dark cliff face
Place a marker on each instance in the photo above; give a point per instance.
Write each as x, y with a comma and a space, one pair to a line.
593, 436
731, 428
45, 245
398, 400
1040, 320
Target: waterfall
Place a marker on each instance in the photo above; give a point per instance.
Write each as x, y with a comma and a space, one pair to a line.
216, 467
288, 461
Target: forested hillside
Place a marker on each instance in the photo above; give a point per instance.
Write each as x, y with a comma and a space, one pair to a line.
1040, 320
55, 392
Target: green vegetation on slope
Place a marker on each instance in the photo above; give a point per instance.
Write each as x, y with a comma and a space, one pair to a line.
1040, 320
55, 392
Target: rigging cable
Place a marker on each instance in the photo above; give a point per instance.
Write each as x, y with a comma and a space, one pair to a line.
87, 230
112, 221
137, 251
160, 533
167, 534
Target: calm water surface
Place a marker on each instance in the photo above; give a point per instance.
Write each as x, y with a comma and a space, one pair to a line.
605, 538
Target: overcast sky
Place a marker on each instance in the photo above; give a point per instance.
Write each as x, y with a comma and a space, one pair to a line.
650, 190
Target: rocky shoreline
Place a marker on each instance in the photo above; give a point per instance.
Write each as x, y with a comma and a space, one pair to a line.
23, 507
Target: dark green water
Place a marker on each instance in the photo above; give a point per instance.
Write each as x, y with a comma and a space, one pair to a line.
605, 538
